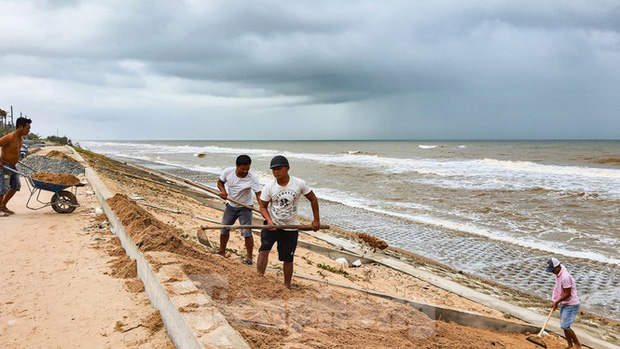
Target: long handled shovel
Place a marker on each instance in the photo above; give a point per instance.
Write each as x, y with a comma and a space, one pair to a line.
537, 339
232, 227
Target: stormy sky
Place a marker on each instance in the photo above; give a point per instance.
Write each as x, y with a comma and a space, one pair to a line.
442, 69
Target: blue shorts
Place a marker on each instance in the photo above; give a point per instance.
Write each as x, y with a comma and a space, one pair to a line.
9, 179
567, 315
230, 216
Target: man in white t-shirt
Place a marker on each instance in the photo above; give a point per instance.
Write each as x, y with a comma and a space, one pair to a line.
279, 200
238, 183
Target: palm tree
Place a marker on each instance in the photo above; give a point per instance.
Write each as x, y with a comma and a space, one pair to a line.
3, 117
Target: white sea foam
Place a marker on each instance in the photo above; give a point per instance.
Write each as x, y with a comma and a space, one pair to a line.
553, 248
421, 146
114, 147
487, 174
460, 174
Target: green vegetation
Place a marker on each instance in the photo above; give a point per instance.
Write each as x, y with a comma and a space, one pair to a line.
60, 140
3, 128
333, 270
6, 128
90, 153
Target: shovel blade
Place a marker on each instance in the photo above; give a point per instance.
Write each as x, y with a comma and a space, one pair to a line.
202, 238
537, 340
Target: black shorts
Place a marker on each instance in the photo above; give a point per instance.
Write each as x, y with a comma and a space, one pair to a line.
286, 239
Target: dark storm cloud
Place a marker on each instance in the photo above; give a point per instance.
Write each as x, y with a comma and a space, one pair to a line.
435, 59
332, 52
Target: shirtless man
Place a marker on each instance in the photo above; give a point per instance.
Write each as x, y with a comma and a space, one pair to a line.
9, 156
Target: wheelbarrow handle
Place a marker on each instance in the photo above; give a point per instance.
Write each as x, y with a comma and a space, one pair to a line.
14, 171
26, 166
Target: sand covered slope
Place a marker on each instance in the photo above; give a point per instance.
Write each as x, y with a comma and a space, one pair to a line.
261, 308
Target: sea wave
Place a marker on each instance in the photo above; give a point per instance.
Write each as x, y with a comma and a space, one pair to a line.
429, 166
359, 152
173, 149
199, 168
609, 161
351, 200
531, 167
468, 174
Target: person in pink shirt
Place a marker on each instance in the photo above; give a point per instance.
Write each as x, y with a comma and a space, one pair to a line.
565, 294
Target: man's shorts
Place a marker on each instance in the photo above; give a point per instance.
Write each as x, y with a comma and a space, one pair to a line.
230, 216
286, 239
567, 315
10, 180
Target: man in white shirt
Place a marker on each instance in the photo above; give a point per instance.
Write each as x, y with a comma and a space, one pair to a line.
240, 184
279, 200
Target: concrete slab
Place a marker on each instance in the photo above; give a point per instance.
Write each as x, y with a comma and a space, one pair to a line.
589, 336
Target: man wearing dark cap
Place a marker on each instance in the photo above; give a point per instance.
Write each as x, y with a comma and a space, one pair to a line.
565, 294
278, 204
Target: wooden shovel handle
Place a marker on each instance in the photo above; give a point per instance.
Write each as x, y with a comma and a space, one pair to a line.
545, 324
231, 227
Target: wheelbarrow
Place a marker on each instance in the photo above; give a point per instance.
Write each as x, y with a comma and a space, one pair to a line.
63, 201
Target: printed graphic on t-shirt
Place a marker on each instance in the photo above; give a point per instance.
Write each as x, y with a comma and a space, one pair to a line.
283, 204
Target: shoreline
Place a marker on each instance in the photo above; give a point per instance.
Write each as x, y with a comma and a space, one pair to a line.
430, 223
484, 285
487, 285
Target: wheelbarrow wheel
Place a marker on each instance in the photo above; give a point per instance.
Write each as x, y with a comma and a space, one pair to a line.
64, 202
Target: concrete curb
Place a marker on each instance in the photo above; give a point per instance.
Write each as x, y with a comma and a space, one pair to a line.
435, 312
170, 290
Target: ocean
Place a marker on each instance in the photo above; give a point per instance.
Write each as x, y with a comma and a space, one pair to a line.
497, 209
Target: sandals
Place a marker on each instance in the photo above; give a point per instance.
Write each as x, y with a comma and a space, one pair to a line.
247, 261
7, 211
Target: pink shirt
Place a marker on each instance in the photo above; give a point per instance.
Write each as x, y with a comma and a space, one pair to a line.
565, 280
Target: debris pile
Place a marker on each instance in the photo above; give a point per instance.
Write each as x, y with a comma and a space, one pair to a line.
50, 165
372, 241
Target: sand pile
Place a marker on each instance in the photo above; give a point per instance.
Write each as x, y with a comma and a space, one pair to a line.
148, 232
55, 154
63, 179
311, 315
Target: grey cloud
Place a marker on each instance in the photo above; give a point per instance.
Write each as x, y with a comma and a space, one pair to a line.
433, 62
331, 54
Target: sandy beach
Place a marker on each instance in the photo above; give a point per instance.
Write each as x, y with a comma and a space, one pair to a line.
67, 281
63, 283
